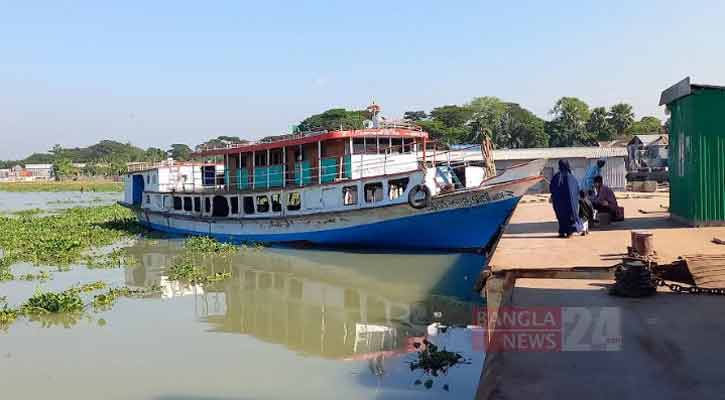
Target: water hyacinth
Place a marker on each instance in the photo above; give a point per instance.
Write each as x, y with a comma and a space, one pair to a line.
61, 239
67, 307
207, 245
64, 186
186, 267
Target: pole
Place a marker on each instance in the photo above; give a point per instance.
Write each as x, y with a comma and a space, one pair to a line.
319, 162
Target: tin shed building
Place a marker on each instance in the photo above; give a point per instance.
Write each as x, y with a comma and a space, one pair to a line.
697, 152
614, 172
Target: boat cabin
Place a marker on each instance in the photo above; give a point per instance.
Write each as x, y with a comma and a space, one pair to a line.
319, 157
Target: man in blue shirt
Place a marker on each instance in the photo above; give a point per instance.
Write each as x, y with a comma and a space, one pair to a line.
593, 171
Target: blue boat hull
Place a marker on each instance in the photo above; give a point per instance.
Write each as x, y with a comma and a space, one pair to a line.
465, 228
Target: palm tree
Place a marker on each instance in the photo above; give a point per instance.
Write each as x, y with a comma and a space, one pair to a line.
621, 117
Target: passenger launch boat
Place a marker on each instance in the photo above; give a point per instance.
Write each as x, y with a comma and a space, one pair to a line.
383, 187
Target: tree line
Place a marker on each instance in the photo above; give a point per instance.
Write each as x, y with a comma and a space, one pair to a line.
511, 126
572, 123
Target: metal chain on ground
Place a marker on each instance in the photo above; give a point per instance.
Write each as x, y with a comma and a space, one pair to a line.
649, 263
693, 289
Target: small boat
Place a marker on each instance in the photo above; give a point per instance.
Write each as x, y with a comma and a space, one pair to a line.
382, 187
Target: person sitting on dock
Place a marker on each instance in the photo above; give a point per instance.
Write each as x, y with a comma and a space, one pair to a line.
564, 190
605, 201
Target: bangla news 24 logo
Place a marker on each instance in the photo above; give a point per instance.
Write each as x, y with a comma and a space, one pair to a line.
547, 329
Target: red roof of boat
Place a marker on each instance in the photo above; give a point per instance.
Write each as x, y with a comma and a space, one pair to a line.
298, 139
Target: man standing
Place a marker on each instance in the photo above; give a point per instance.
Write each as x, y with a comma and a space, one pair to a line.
593, 171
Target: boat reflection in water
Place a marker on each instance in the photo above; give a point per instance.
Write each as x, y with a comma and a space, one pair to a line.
334, 305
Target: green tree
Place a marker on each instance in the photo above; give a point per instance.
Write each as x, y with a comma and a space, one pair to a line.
598, 125
621, 117
415, 116
646, 125
335, 119
450, 123
520, 128
568, 127
452, 116
222, 141
180, 152
437, 130
154, 154
486, 117
63, 168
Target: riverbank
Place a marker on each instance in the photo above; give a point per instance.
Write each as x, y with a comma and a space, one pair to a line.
655, 347
62, 186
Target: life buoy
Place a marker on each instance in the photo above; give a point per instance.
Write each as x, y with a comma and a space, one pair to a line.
413, 199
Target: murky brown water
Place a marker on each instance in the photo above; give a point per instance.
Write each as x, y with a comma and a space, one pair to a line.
289, 323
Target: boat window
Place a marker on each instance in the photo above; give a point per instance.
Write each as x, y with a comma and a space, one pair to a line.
407, 146
349, 195
262, 204
396, 187
234, 201
260, 158
397, 145
177, 203
358, 146
275, 157
207, 205
276, 202
221, 207
148, 178
197, 204
187, 204
248, 203
294, 201
148, 199
383, 145
373, 192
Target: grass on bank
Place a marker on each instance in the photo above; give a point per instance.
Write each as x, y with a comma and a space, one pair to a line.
62, 186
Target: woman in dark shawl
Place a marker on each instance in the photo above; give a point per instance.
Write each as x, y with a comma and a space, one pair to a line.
564, 190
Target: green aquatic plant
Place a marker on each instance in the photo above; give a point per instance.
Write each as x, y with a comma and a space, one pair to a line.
107, 299
61, 239
6, 275
52, 302
67, 308
28, 213
64, 186
7, 317
434, 362
117, 258
207, 245
41, 276
184, 269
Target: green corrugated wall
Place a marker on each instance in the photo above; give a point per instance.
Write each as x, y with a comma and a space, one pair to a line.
697, 157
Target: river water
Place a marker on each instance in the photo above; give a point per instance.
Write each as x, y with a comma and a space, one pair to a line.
288, 323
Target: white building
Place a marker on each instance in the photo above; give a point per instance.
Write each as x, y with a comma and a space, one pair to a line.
39, 171
580, 158
614, 172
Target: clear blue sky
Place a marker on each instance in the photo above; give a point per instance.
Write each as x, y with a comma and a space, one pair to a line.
155, 73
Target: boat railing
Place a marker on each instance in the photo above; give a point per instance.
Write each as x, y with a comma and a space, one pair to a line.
391, 160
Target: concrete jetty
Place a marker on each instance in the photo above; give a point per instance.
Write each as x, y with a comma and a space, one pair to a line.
670, 344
